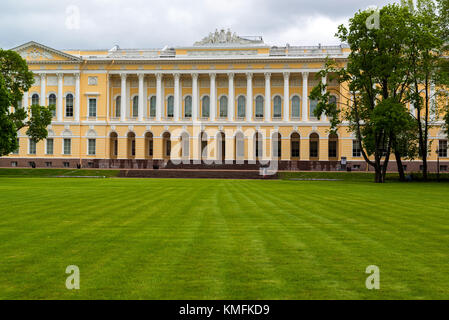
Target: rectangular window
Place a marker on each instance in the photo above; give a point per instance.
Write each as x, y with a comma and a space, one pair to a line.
16, 151
48, 164
14, 163
67, 146
66, 164
91, 149
32, 147
92, 107
442, 148
50, 144
443, 167
356, 149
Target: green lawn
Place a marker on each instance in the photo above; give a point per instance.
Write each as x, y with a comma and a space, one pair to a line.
222, 239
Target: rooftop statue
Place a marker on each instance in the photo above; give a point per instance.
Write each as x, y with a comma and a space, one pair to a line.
226, 37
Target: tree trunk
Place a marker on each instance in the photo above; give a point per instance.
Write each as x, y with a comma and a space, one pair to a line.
400, 166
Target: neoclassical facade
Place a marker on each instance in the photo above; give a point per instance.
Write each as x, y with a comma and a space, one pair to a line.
226, 100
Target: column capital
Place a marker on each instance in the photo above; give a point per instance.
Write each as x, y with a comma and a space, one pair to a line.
42, 75
123, 76
286, 75
305, 74
141, 76
267, 75
77, 75
158, 76
195, 76
177, 76
231, 75
212, 75
249, 75
59, 75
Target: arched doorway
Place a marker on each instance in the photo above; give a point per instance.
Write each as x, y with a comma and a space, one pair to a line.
295, 140
113, 145
314, 145
149, 145
131, 145
166, 137
221, 147
276, 147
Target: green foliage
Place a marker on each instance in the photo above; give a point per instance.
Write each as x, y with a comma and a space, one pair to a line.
15, 78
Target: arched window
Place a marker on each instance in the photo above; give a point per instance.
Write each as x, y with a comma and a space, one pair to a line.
314, 141
35, 99
149, 144
170, 107
223, 107
333, 146
188, 107
313, 105
135, 107
241, 107
153, 107
69, 105
276, 147
295, 140
205, 104
296, 112
52, 102
118, 102
277, 107
259, 107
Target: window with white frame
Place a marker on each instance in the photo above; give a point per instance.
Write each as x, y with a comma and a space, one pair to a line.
69, 105
356, 148
118, 102
277, 107
259, 107
91, 147
135, 107
313, 105
296, 106
205, 107
92, 107
442, 148
49, 145
188, 107
32, 146
241, 107
52, 102
35, 99
67, 146
223, 107
153, 107
170, 106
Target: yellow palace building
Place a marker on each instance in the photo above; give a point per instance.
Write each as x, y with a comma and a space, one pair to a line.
225, 100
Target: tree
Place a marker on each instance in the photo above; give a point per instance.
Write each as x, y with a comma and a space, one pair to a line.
374, 83
15, 79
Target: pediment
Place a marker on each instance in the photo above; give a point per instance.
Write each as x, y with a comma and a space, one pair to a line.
36, 52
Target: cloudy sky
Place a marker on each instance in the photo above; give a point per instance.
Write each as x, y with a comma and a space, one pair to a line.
91, 24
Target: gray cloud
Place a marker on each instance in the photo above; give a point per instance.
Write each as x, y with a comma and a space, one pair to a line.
147, 24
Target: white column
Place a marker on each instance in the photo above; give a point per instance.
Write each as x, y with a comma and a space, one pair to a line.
141, 98
123, 97
305, 98
158, 96
77, 97
213, 97
177, 90
195, 96
231, 96
43, 91
286, 96
267, 96
249, 96
324, 82
59, 101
